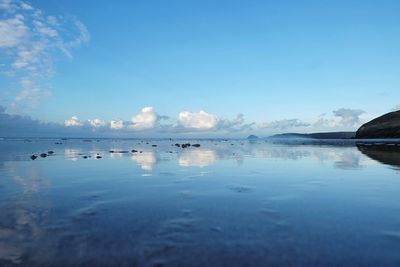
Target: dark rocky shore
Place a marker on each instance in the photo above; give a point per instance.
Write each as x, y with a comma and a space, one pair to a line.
386, 126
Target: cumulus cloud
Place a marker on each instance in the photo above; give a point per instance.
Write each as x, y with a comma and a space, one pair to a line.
73, 122
197, 120
29, 42
348, 117
146, 119
117, 124
284, 124
96, 123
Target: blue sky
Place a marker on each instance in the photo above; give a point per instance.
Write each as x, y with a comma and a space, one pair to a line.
297, 66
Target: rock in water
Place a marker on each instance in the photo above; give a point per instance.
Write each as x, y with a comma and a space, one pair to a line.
43, 155
386, 126
33, 157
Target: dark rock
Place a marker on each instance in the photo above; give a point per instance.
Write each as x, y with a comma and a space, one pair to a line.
43, 155
98, 157
134, 151
185, 145
178, 145
50, 152
196, 145
33, 157
153, 145
386, 126
85, 157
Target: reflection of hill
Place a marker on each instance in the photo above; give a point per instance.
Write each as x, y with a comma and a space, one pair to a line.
389, 155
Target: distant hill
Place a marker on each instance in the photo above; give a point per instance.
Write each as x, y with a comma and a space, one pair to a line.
325, 135
385, 126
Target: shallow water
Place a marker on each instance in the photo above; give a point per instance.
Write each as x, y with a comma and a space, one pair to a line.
225, 203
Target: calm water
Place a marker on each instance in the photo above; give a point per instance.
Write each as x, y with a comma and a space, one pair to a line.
226, 203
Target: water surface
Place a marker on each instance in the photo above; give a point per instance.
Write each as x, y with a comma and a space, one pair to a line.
225, 203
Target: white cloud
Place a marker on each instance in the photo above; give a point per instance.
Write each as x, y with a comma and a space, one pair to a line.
30, 93
42, 28
284, 124
234, 125
13, 31
97, 123
29, 42
5, 4
342, 118
348, 117
324, 122
117, 124
73, 122
146, 119
26, 6
198, 120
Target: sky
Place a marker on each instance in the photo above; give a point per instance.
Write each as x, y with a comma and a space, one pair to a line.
196, 68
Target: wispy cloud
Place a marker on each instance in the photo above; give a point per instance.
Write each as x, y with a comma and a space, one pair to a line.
284, 124
396, 108
30, 41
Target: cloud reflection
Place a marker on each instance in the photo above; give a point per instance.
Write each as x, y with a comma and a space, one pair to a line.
72, 154
146, 159
198, 158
